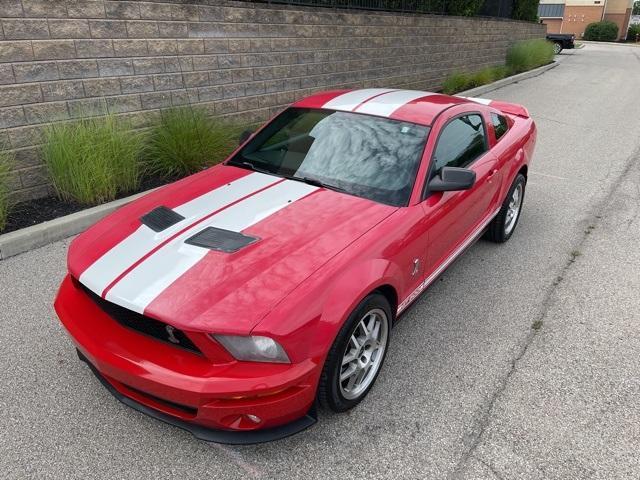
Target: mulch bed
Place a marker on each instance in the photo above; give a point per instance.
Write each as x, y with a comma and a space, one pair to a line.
32, 212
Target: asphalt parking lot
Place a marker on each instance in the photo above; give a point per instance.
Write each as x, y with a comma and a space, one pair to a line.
522, 361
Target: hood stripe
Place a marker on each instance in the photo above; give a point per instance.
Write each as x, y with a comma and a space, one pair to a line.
350, 100
147, 280
138, 244
177, 234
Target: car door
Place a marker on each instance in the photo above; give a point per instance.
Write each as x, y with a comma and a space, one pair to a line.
455, 216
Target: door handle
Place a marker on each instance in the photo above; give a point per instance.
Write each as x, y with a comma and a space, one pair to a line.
492, 172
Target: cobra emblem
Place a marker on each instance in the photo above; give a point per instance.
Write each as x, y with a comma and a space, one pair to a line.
171, 335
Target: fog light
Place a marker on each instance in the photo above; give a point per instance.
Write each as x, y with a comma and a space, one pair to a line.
253, 418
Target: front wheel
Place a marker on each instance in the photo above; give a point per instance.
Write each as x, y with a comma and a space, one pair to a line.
502, 226
356, 356
557, 48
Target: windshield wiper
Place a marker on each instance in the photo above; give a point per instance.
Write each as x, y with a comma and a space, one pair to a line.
308, 180
318, 183
250, 166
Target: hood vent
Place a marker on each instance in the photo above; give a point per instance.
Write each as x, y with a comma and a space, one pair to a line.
161, 218
221, 240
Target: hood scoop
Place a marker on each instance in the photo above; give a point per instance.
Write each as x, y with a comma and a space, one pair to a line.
221, 240
161, 218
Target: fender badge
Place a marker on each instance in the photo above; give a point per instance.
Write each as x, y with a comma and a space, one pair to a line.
171, 335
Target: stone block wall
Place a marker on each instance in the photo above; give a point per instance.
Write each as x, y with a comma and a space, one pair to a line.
63, 59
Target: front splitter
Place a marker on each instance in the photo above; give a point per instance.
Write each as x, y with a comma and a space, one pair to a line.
210, 434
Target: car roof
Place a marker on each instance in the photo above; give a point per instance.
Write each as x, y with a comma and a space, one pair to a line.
406, 105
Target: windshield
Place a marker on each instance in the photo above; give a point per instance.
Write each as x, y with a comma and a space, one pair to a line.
371, 157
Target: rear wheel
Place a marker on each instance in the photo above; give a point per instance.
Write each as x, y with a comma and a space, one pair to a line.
357, 355
502, 226
557, 48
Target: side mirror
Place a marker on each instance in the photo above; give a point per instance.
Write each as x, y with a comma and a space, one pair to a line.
244, 136
452, 179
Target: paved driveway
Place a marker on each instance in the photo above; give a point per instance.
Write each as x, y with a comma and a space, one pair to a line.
470, 389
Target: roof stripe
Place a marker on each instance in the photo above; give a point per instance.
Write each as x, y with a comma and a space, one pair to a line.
370, 99
385, 105
350, 100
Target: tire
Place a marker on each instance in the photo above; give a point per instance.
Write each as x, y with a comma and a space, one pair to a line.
557, 48
336, 395
504, 224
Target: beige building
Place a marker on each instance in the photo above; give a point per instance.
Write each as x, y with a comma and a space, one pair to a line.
573, 16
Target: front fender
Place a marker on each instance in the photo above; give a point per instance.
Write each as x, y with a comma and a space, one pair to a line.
308, 325
353, 285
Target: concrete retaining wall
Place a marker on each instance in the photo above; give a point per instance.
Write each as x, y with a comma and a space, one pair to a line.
60, 59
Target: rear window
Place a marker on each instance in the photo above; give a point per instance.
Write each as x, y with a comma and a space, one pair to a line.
500, 125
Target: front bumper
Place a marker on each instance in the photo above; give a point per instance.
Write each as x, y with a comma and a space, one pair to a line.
209, 434
214, 401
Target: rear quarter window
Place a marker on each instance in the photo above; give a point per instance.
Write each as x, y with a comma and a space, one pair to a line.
500, 125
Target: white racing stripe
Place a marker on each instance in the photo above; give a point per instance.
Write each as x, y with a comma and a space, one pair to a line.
483, 101
349, 101
149, 279
386, 104
130, 250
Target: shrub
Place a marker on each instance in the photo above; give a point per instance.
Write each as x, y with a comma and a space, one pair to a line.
528, 54
456, 82
634, 30
490, 74
187, 140
466, 8
526, 10
604, 31
90, 161
5, 168
459, 81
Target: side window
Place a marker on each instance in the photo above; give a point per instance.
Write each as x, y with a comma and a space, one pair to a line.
500, 125
461, 142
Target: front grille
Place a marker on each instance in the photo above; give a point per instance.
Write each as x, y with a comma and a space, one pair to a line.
141, 323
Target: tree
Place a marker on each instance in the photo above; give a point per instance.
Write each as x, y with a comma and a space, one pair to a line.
525, 10
636, 7
466, 8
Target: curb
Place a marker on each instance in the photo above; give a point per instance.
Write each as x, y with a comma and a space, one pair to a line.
29, 238
617, 44
508, 81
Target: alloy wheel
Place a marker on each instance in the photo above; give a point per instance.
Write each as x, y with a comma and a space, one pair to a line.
513, 211
364, 354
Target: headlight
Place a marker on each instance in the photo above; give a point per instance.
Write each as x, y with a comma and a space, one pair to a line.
253, 348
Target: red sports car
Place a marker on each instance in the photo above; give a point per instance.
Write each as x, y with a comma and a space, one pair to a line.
231, 302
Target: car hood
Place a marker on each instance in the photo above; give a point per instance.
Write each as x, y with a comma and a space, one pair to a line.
281, 230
